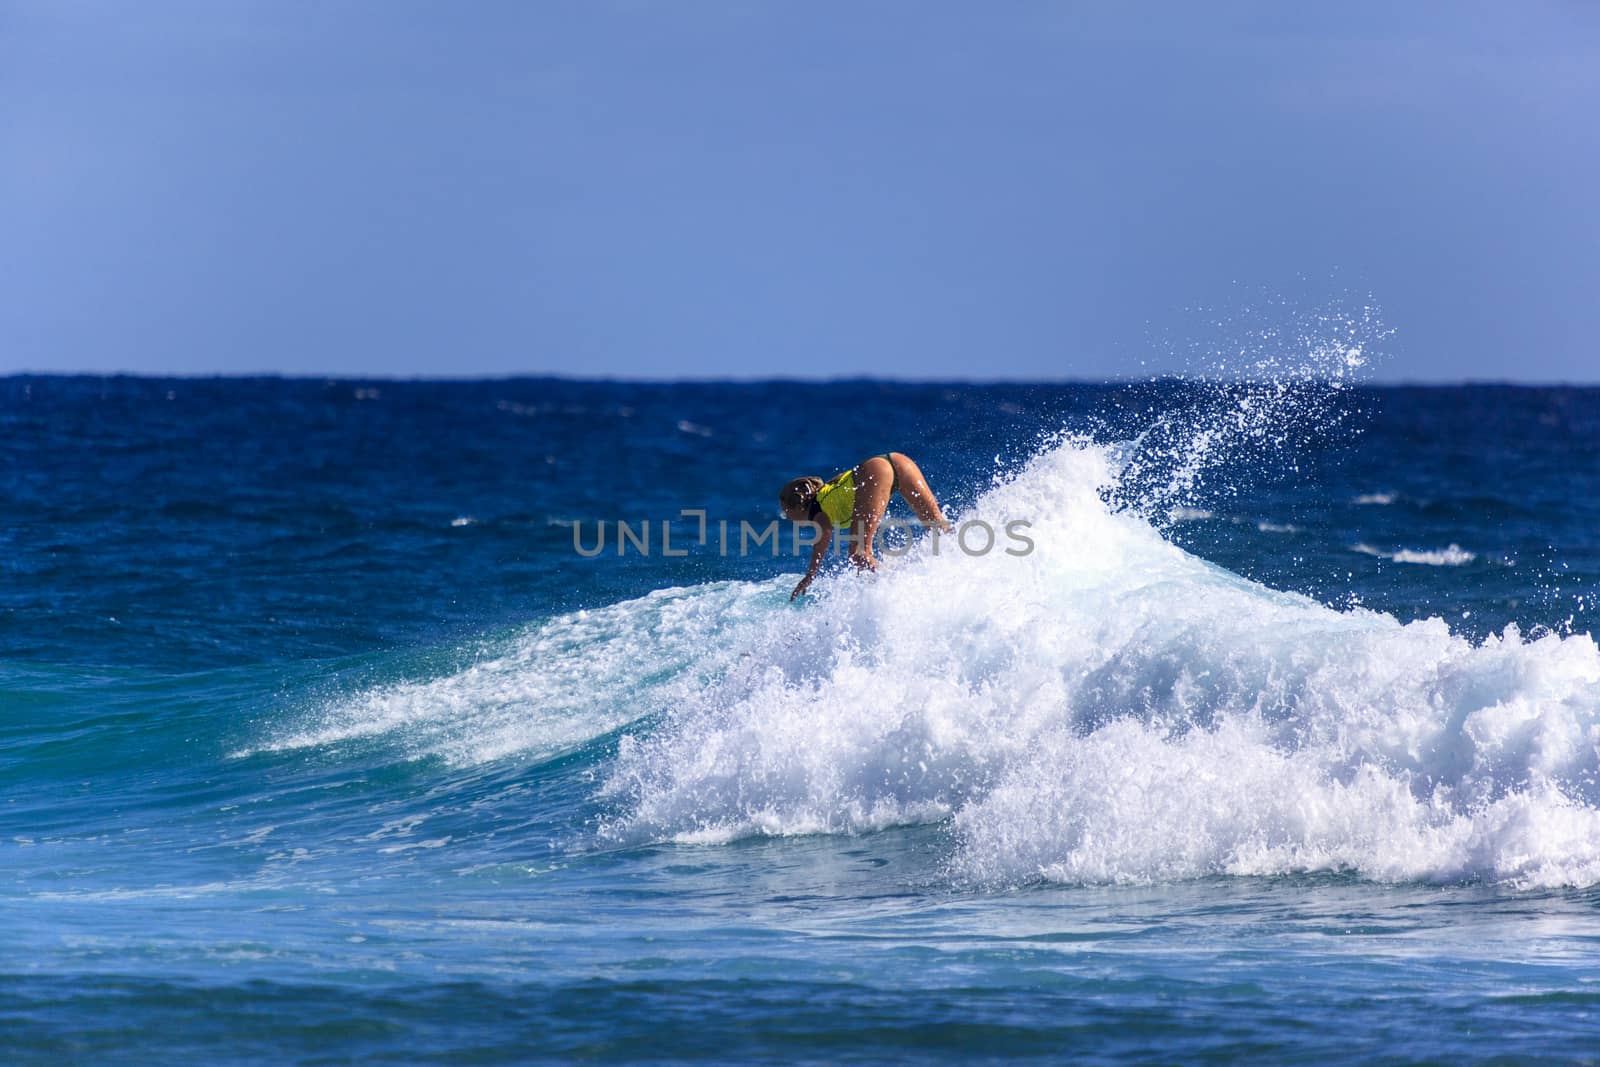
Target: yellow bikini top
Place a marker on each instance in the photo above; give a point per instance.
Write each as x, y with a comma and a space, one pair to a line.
837, 500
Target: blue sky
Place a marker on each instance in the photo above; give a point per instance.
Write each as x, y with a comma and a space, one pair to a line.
713, 189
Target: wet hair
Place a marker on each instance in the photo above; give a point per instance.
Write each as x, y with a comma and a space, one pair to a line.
799, 493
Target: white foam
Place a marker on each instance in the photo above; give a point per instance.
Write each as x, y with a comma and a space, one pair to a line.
1379, 499
1452, 556
1110, 708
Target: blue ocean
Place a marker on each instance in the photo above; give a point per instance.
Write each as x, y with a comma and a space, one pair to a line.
340, 722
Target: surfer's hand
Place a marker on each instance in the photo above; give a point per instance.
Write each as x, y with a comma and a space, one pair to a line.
805, 583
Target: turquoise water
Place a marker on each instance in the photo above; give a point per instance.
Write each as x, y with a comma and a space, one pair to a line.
318, 741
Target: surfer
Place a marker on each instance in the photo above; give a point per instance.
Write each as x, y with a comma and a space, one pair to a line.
857, 500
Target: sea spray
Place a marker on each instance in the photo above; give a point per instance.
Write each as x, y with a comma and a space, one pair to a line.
1262, 387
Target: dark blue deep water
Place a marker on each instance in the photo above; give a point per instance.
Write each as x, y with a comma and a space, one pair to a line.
319, 742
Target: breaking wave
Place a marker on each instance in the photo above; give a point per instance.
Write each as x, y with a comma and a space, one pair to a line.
1106, 708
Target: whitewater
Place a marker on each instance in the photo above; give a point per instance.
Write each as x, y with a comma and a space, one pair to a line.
1108, 708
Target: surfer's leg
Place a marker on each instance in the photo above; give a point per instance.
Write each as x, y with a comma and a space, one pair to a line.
914, 488
874, 483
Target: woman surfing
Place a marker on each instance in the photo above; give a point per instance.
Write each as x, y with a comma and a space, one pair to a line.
857, 499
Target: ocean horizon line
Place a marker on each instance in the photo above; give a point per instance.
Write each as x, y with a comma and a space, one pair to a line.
709, 380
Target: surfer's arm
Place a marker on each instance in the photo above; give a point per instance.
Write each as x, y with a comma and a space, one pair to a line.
819, 552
